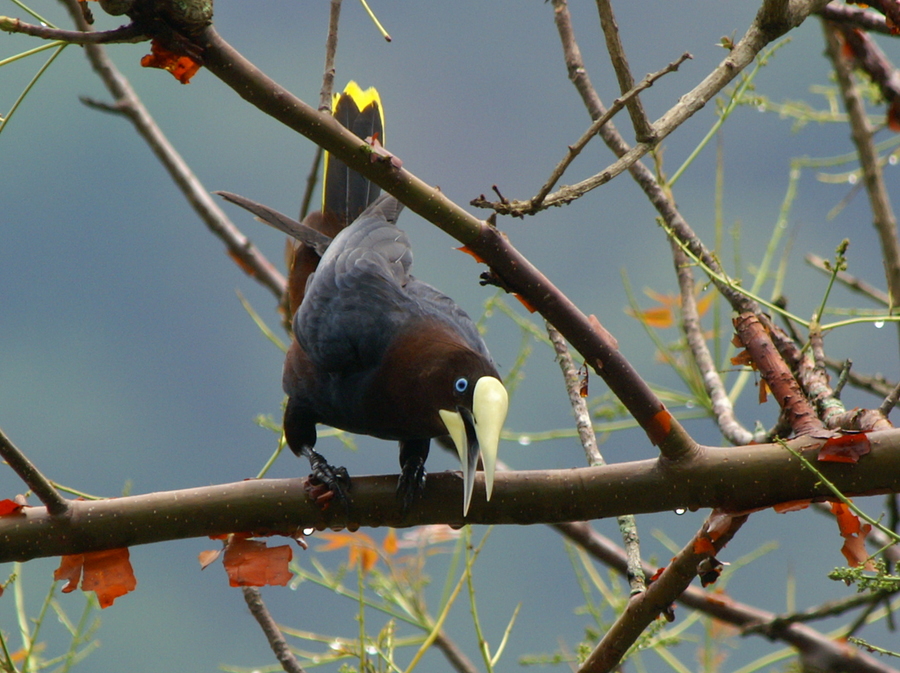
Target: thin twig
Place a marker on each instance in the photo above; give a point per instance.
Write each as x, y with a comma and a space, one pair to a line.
671, 583
850, 281
773, 20
273, 634
823, 611
733, 612
127, 102
576, 148
574, 388
890, 401
722, 408
128, 33
843, 377
331, 42
37, 482
579, 406
643, 130
861, 132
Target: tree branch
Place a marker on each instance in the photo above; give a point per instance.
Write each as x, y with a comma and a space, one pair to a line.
834, 654
56, 505
735, 479
666, 588
273, 634
129, 104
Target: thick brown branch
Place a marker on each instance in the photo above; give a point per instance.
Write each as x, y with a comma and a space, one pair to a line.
734, 479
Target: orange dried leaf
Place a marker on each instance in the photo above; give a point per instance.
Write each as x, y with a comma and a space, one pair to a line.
390, 542
742, 359
69, 570
669, 300
854, 550
207, 557
763, 391
791, 506
704, 303
845, 448
361, 548
8, 506
251, 563
182, 68
848, 522
109, 574
659, 317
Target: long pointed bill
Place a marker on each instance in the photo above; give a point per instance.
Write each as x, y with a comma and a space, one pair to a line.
478, 432
489, 405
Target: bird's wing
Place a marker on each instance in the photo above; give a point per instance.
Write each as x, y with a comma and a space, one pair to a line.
314, 239
356, 300
443, 307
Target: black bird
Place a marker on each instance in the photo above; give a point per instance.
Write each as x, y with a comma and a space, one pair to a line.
380, 353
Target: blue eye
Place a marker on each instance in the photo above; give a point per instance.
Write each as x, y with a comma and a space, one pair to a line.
461, 385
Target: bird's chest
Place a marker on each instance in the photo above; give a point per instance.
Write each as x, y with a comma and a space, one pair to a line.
378, 403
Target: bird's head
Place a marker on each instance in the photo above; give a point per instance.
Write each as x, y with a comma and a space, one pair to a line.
434, 383
474, 425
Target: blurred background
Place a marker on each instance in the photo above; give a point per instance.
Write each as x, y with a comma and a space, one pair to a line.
128, 363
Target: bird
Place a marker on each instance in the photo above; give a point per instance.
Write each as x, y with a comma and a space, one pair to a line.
375, 351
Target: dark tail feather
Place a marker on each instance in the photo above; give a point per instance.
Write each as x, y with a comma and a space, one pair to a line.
346, 193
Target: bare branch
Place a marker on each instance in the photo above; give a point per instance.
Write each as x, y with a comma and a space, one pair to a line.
856, 17
330, 50
883, 214
666, 588
722, 408
731, 478
642, 128
773, 20
127, 102
627, 523
579, 406
835, 655
127, 33
850, 281
273, 634
56, 505
575, 149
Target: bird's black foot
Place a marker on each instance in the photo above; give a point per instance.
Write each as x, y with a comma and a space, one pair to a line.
411, 484
335, 480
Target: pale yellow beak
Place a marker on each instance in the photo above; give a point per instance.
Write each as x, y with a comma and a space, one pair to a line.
478, 433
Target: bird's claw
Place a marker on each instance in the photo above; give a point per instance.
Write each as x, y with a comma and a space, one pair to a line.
411, 486
328, 482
